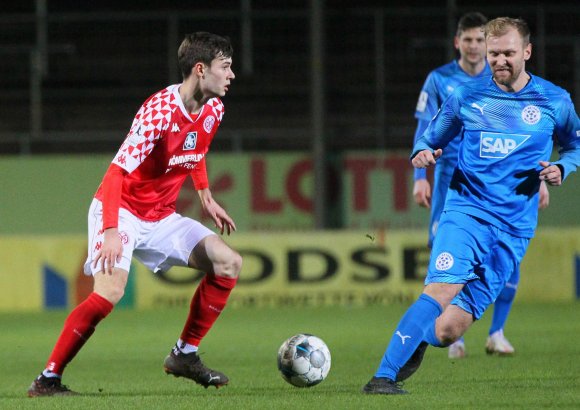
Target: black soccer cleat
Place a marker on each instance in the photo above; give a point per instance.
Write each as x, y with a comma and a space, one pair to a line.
382, 385
48, 386
413, 363
190, 366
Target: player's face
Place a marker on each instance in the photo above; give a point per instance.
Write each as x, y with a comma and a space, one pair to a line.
471, 45
218, 77
507, 57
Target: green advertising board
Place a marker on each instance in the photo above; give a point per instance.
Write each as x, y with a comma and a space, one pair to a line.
261, 191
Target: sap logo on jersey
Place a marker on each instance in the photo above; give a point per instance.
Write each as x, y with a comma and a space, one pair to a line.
497, 145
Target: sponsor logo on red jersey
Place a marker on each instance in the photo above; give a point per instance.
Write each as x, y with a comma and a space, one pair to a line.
190, 141
183, 159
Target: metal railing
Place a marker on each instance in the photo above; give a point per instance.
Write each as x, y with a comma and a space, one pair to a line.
375, 62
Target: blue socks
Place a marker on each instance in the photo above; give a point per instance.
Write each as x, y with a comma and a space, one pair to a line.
414, 325
503, 303
431, 338
502, 307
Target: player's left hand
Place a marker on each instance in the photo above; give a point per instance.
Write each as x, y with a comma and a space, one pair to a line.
551, 174
219, 216
221, 219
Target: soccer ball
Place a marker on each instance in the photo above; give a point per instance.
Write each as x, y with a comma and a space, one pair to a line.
304, 360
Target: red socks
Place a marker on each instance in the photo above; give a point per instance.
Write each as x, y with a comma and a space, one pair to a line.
78, 327
206, 305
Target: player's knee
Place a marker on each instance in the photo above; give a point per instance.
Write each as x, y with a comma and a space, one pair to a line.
236, 264
230, 266
111, 287
112, 293
447, 333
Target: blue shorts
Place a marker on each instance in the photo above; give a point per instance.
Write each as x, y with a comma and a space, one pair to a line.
470, 251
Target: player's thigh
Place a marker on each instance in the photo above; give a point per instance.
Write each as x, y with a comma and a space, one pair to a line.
170, 242
111, 286
128, 228
213, 255
460, 246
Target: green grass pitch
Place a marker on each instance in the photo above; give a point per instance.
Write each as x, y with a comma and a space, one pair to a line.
121, 366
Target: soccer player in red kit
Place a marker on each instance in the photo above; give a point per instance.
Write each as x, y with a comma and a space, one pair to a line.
133, 214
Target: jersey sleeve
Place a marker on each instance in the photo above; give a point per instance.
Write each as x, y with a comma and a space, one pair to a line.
199, 173
568, 137
199, 176
445, 126
148, 127
111, 187
428, 102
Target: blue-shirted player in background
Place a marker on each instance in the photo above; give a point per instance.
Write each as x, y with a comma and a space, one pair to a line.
509, 123
469, 41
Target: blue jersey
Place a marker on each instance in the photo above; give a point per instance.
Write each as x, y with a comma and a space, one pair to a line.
439, 84
505, 136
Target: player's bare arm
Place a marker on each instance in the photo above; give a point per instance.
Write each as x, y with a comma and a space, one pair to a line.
422, 193
220, 217
551, 174
426, 158
544, 196
111, 251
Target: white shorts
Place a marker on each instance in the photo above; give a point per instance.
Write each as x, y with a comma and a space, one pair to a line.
158, 245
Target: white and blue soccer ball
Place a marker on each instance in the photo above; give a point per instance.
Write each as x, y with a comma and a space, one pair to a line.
304, 360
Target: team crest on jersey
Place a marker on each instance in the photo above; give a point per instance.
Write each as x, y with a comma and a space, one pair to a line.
444, 261
497, 145
124, 237
208, 123
190, 141
531, 114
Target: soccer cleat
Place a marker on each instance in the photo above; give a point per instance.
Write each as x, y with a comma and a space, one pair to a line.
48, 386
413, 363
499, 345
382, 385
190, 366
457, 350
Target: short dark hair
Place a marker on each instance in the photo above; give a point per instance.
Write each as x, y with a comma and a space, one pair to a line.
202, 47
501, 25
470, 20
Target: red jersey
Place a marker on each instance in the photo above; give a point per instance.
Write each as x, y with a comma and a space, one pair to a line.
164, 145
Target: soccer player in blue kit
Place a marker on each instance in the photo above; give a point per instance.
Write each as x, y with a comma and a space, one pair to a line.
470, 43
509, 123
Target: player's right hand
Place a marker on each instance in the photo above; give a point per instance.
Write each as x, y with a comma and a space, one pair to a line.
426, 158
111, 252
422, 193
